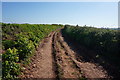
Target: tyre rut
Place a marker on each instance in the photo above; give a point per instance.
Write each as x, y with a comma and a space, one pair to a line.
65, 65
55, 59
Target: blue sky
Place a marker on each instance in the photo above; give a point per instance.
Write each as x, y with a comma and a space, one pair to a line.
98, 14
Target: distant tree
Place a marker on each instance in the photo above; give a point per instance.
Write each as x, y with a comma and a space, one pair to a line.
77, 25
55, 24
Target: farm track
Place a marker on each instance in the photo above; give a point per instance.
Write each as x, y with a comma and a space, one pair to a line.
66, 67
42, 62
54, 58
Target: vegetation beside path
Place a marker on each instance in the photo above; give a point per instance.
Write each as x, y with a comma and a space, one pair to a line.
19, 42
71, 51
104, 42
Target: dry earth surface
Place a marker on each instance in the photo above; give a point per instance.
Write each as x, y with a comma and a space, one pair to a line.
54, 58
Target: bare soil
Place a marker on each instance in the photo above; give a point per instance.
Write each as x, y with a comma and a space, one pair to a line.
88, 69
42, 63
55, 58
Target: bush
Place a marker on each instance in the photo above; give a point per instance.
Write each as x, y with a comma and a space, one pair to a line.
8, 44
10, 65
22, 39
25, 47
104, 41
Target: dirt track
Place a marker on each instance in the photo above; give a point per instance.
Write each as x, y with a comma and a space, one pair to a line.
55, 59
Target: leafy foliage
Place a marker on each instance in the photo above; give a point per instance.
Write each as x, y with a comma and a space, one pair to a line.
19, 42
25, 47
8, 44
10, 66
104, 41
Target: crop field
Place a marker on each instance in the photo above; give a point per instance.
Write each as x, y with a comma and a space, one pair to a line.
59, 51
19, 42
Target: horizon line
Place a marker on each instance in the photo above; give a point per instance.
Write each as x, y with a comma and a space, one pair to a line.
61, 24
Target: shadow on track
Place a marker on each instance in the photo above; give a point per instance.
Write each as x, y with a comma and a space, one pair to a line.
86, 55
